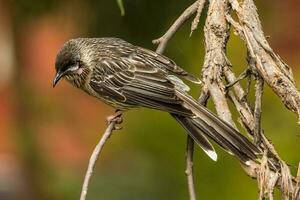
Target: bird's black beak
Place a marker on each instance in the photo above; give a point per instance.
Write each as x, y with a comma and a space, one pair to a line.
57, 77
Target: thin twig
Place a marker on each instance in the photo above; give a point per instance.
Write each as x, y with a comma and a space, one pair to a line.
242, 76
94, 157
190, 150
238, 97
162, 43
257, 110
189, 167
204, 96
163, 40
196, 20
248, 86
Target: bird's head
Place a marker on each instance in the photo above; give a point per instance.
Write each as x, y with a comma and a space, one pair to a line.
70, 62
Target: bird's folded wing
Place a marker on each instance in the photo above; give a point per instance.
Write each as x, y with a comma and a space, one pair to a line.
136, 84
118, 48
162, 62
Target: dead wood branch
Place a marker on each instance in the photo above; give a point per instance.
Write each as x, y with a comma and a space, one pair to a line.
163, 40
189, 167
96, 153
263, 65
274, 71
196, 20
216, 32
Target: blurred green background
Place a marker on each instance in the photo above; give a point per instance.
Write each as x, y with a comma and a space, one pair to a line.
47, 134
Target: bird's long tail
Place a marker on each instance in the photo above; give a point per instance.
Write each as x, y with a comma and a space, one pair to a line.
205, 124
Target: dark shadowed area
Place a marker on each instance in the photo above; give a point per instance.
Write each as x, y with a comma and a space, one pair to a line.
47, 135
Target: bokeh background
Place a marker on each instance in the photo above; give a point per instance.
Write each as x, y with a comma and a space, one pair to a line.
47, 134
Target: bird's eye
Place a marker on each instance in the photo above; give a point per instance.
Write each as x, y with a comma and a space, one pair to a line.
79, 63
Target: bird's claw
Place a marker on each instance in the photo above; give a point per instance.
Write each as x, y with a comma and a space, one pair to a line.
116, 117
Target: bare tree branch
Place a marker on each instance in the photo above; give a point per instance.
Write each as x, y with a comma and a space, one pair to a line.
274, 71
271, 171
240, 102
189, 153
216, 32
189, 167
163, 40
257, 110
96, 153
196, 20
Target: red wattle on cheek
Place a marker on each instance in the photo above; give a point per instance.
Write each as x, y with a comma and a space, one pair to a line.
79, 71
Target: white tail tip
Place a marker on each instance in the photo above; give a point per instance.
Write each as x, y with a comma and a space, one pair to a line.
212, 155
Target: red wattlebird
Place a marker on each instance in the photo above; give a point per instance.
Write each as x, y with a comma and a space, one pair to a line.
127, 76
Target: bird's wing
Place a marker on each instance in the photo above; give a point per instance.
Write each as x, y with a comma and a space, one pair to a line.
121, 48
160, 61
135, 83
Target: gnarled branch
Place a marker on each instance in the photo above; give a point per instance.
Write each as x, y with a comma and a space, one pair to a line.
265, 66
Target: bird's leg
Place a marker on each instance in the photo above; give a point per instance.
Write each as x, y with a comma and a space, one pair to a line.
116, 117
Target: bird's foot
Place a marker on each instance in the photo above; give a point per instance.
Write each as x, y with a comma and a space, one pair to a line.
116, 117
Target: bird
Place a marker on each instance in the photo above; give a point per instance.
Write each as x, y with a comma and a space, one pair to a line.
126, 76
